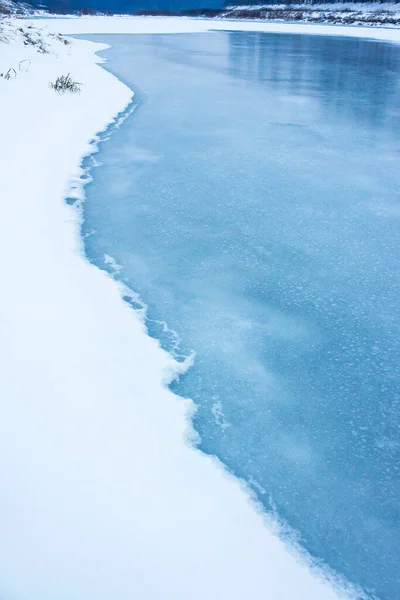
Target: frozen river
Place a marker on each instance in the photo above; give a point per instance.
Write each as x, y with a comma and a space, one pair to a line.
252, 199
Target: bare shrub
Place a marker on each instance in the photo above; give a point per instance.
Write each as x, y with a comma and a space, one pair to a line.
60, 38
33, 38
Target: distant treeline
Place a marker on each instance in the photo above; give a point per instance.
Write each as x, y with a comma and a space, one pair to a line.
232, 3
244, 9
304, 13
190, 12
61, 8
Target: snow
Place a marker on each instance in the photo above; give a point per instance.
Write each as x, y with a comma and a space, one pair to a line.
102, 495
123, 24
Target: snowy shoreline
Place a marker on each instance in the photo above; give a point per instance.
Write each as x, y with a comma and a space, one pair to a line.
104, 496
365, 14
152, 25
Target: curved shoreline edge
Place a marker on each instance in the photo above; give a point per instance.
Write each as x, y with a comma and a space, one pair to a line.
153, 25
104, 496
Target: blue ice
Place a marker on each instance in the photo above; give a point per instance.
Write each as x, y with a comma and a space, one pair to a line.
252, 201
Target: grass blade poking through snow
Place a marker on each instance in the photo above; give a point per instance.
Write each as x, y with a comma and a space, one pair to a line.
65, 83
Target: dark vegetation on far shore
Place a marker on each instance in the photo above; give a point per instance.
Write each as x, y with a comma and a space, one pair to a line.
306, 14
324, 12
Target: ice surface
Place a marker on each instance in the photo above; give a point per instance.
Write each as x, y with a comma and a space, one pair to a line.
101, 495
264, 230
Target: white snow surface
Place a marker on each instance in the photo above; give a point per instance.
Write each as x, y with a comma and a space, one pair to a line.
102, 495
122, 24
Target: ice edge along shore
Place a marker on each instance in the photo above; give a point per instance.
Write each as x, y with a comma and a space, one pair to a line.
103, 495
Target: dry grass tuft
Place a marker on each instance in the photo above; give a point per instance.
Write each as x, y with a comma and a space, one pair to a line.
65, 83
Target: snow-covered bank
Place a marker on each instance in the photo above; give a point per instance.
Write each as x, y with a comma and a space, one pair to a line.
345, 14
103, 497
123, 24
